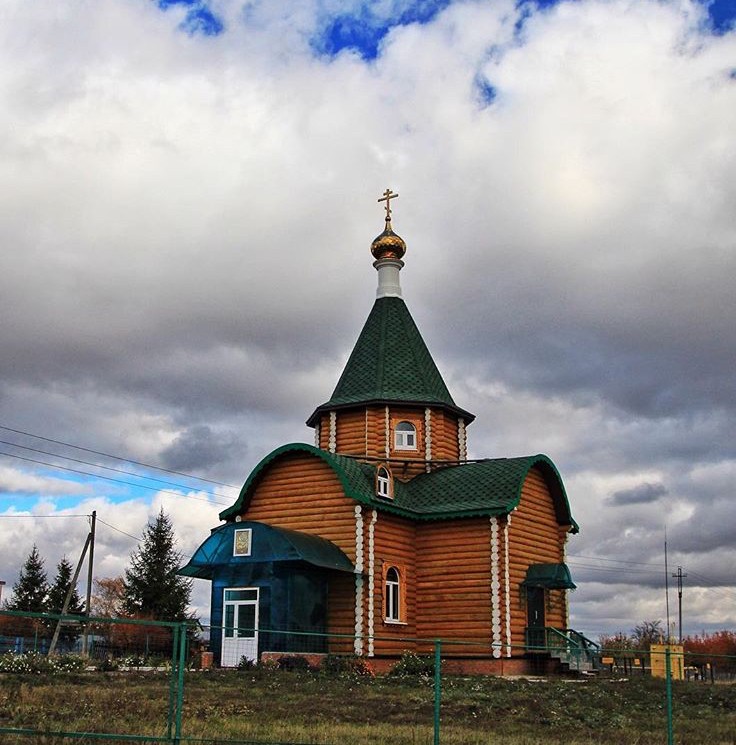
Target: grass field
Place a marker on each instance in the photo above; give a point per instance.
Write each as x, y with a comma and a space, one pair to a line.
278, 706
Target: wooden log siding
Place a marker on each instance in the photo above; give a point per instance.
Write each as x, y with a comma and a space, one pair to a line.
454, 584
362, 432
444, 436
351, 432
301, 492
394, 545
376, 431
535, 537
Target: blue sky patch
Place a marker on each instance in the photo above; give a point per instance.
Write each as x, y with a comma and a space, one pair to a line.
722, 14
363, 30
485, 91
199, 19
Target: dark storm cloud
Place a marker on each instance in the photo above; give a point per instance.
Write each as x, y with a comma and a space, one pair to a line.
198, 448
642, 494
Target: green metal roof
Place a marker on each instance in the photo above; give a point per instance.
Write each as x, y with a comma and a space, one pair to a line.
390, 363
487, 487
268, 544
551, 576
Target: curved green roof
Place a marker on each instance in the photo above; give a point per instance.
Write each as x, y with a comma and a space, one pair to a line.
390, 363
268, 544
487, 487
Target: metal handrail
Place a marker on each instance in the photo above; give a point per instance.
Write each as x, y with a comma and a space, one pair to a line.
567, 645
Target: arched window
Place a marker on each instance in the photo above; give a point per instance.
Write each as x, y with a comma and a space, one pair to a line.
392, 595
383, 483
405, 436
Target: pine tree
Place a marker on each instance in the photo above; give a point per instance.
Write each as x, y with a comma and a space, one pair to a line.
152, 589
31, 591
59, 589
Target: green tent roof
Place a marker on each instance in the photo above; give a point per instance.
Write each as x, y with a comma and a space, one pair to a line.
487, 487
390, 363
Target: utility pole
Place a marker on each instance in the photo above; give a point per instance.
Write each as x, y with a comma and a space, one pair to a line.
666, 585
679, 576
90, 566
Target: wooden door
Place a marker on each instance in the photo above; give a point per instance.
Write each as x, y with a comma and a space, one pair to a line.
535, 620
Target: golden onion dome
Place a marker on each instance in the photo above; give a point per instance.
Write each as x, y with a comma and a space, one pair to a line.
388, 245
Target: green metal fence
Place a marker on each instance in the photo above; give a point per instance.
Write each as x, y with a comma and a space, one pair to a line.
159, 687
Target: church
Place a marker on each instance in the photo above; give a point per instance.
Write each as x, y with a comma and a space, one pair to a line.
383, 535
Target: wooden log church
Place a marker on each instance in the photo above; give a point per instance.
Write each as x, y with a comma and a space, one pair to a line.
383, 533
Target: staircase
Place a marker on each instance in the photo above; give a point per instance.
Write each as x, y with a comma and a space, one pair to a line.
574, 651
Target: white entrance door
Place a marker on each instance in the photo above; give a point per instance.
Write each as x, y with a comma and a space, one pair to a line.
240, 632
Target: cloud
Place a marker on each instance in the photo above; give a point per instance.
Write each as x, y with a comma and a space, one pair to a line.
642, 494
187, 221
17, 481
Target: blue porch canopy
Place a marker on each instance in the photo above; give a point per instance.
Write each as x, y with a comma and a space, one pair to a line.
264, 543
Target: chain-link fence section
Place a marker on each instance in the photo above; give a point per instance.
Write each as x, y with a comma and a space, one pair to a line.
123, 680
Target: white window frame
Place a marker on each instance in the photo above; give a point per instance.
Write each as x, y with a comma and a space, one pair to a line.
392, 596
405, 438
383, 483
249, 531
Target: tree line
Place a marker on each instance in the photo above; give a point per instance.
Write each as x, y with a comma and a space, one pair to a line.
717, 649
149, 588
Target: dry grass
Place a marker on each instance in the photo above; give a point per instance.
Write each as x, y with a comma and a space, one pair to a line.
301, 707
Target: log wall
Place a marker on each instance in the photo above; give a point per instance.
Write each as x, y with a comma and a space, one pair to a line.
395, 545
454, 583
535, 537
301, 492
444, 436
352, 432
362, 432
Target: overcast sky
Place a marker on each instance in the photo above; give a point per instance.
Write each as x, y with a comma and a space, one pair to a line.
189, 197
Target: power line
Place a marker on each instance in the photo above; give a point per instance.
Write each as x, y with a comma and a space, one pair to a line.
612, 570
35, 517
135, 538
96, 465
616, 561
117, 481
115, 457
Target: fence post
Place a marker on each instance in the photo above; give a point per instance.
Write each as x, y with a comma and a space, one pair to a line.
437, 689
172, 681
668, 688
180, 681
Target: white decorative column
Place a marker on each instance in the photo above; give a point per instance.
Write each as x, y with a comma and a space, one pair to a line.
358, 644
507, 589
371, 579
495, 594
332, 446
316, 435
462, 440
428, 437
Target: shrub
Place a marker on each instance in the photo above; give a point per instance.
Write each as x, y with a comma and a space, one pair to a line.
338, 665
293, 663
34, 663
106, 665
412, 664
246, 664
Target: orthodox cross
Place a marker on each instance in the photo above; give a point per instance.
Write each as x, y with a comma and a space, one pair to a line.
388, 195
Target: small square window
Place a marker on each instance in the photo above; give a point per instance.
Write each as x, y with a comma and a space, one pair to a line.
242, 542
